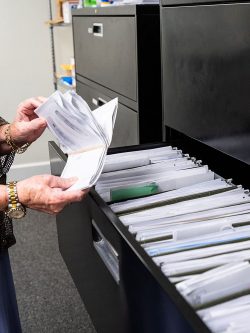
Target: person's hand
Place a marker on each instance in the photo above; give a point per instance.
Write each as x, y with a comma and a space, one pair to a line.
27, 126
25, 110
23, 132
47, 193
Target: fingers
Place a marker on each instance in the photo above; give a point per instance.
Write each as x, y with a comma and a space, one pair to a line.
42, 99
62, 199
47, 193
25, 110
32, 103
72, 196
62, 183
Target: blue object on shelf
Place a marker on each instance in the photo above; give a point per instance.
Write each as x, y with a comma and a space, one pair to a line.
68, 80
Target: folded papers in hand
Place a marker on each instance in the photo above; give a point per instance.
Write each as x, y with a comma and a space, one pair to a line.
83, 134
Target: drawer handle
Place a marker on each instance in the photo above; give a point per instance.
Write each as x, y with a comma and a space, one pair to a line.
106, 252
97, 29
101, 101
95, 101
98, 102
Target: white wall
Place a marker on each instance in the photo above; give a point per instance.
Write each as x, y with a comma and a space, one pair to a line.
26, 70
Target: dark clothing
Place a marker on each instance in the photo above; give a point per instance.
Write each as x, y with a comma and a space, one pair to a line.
6, 231
9, 318
7, 237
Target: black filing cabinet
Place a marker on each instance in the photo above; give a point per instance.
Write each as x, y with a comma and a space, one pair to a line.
117, 53
206, 75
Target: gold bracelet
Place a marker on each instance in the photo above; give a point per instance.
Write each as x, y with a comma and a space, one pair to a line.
11, 143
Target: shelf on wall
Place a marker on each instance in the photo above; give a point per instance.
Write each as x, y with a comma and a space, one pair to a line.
62, 24
56, 19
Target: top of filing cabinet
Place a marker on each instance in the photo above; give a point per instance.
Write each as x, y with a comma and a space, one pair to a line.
126, 10
196, 2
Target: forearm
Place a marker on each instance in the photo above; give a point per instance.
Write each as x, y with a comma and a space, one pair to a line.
3, 197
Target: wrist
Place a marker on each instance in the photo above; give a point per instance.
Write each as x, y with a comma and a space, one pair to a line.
4, 147
3, 198
2, 131
24, 193
15, 208
16, 146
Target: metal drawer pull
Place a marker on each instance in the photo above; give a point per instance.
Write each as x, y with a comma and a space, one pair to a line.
106, 252
98, 29
94, 101
101, 101
98, 102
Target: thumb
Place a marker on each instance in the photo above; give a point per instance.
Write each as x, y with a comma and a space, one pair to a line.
27, 131
62, 183
37, 124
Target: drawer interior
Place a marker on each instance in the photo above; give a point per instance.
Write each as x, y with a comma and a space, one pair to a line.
137, 221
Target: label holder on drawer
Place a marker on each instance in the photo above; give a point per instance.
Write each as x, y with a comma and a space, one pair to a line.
106, 252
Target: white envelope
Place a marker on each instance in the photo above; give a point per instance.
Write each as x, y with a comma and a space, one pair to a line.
84, 135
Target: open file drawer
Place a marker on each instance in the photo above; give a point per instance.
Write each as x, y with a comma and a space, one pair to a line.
124, 290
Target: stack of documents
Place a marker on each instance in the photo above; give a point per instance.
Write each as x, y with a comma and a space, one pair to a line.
231, 316
82, 134
194, 225
216, 285
184, 193
152, 171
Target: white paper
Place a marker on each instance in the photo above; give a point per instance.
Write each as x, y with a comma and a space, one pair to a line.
84, 135
204, 264
180, 231
127, 160
202, 253
229, 198
219, 287
190, 217
223, 237
230, 316
203, 187
191, 285
166, 181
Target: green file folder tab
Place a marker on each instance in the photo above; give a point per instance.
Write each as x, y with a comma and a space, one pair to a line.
135, 191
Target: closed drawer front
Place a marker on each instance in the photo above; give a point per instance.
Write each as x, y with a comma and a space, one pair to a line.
126, 125
105, 52
93, 97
